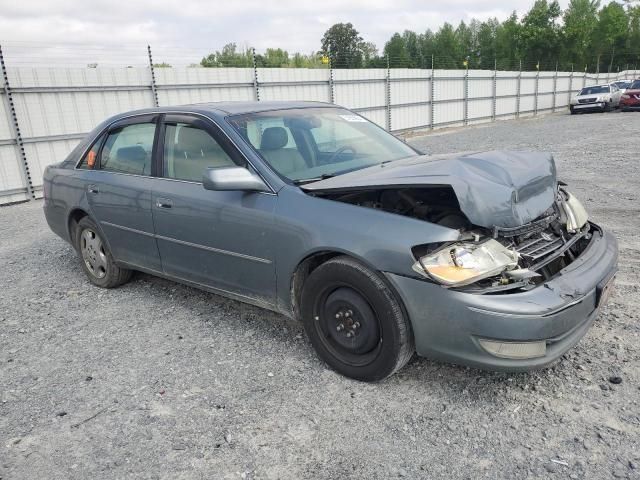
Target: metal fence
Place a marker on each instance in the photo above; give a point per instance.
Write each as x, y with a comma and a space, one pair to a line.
44, 111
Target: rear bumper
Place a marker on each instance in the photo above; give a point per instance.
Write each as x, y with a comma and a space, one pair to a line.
448, 324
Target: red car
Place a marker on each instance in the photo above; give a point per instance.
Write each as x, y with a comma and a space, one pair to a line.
630, 100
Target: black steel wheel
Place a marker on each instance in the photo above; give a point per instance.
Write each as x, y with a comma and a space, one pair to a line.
354, 320
96, 259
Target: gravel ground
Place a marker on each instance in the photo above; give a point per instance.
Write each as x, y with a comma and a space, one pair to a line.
158, 380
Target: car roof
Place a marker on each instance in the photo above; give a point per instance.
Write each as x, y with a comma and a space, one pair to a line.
223, 109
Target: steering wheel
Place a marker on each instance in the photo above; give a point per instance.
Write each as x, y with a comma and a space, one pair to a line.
340, 151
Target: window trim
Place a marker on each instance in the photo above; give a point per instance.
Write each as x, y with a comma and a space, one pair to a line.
206, 118
121, 124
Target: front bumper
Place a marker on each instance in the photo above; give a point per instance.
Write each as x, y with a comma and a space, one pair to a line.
583, 107
447, 324
630, 105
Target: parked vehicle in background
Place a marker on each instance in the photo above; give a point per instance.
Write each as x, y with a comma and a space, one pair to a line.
601, 98
623, 85
311, 210
630, 100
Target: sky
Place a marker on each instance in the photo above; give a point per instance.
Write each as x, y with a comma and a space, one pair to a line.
182, 29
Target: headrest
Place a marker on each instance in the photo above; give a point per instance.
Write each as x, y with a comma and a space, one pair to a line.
274, 138
193, 139
134, 154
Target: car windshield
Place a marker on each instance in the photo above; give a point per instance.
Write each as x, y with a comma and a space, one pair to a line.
594, 90
623, 84
309, 144
635, 85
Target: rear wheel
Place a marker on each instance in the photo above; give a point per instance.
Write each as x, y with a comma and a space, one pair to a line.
354, 320
95, 257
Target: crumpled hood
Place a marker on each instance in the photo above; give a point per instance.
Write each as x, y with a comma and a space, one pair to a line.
499, 188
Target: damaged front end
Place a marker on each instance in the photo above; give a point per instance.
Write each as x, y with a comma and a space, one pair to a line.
496, 259
518, 226
513, 258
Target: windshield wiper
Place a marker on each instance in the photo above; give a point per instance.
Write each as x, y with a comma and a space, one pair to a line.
324, 176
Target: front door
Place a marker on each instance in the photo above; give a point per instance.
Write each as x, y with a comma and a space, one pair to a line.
219, 239
119, 190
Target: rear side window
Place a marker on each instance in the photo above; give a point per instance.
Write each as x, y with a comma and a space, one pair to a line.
90, 159
129, 149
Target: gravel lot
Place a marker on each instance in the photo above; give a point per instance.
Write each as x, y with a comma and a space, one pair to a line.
157, 380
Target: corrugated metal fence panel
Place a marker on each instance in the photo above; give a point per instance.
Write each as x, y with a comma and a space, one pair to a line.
70, 102
448, 89
179, 86
506, 91
12, 186
480, 94
294, 84
410, 94
364, 91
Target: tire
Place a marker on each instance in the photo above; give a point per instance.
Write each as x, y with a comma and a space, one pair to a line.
354, 321
572, 110
95, 257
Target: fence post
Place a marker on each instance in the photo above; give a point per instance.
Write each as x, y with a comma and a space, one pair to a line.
518, 90
256, 85
154, 90
555, 89
465, 106
584, 78
536, 90
332, 93
494, 90
388, 95
570, 87
432, 84
16, 129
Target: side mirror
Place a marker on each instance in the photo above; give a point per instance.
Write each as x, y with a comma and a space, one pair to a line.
232, 178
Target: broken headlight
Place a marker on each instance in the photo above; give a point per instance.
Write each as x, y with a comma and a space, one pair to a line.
574, 212
467, 262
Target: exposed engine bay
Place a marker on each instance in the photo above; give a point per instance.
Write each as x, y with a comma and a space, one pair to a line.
539, 249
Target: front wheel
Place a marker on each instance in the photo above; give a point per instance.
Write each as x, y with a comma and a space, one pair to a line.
95, 257
354, 321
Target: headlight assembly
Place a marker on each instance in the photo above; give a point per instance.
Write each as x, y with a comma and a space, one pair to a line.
467, 262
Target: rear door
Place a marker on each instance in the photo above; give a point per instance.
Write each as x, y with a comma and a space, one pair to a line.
222, 240
119, 190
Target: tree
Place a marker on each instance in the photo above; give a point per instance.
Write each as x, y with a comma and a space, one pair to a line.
580, 21
508, 43
611, 31
446, 49
228, 57
395, 51
344, 45
540, 34
273, 57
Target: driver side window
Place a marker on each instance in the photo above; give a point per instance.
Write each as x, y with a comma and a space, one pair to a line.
189, 151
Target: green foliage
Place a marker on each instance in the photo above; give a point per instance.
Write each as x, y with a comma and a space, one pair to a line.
585, 35
344, 45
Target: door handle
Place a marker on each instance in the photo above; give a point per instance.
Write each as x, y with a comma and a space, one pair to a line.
164, 203
93, 189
